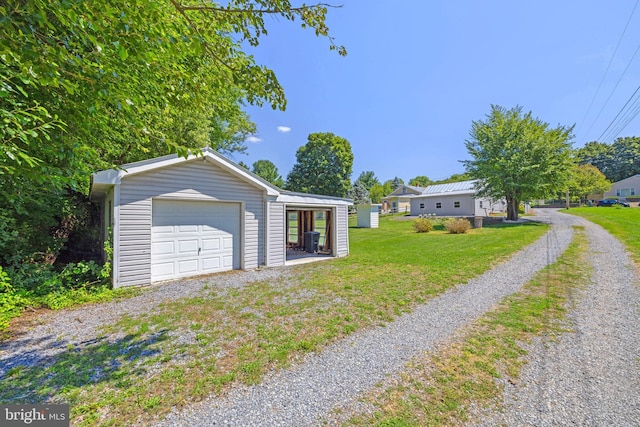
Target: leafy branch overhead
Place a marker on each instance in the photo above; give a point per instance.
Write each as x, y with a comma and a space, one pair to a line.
89, 84
103, 72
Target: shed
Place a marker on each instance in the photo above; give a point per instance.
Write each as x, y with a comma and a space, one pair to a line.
368, 216
173, 217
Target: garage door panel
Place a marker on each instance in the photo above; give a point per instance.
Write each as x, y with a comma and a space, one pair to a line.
227, 243
210, 245
188, 247
163, 248
191, 238
188, 267
190, 228
165, 269
211, 263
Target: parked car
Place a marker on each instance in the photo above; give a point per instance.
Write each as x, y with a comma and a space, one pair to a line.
612, 202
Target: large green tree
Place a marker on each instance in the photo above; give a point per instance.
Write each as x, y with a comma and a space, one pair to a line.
368, 179
323, 166
616, 161
587, 179
267, 170
518, 157
88, 84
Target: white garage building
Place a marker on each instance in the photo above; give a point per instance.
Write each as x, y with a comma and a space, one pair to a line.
173, 217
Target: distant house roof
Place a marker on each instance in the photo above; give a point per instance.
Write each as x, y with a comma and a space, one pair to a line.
450, 189
462, 187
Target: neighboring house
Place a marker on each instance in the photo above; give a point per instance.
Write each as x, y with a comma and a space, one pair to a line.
628, 187
173, 217
400, 199
454, 199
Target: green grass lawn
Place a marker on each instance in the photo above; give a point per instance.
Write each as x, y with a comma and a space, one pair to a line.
624, 223
436, 389
189, 348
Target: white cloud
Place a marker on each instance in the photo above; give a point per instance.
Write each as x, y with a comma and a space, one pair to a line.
254, 139
284, 129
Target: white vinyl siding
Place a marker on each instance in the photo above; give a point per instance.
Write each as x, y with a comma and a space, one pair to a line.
276, 238
191, 180
342, 230
455, 205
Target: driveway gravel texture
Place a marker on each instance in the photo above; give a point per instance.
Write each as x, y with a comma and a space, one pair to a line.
589, 376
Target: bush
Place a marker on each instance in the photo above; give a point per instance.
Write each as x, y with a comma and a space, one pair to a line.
422, 225
457, 225
11, 301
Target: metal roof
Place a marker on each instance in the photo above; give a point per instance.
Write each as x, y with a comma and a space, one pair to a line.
452, 187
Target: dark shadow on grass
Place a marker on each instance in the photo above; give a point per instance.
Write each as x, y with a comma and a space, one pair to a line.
37, 378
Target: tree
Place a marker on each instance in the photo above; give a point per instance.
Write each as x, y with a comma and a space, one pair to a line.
397, 182
359, 194
456, 177
368, 179
598, 154
323, 166
626, 158
617, 161
86, 85
268, 171
518, 157
377, 192
420, 181
586, 180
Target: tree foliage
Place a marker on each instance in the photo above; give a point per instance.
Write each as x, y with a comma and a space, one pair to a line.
518, 157
268, 171
359, 194
420, 181
323, 166
87, 84
617, 161
456, 177
367, 179
377, 192
586, 180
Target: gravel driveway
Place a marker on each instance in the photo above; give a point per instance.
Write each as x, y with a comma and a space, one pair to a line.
589, 377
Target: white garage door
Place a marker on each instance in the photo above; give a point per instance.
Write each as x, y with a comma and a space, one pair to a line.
192, 238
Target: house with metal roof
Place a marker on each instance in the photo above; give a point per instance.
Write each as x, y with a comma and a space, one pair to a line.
454, 199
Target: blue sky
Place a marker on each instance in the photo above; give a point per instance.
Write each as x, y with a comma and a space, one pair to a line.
419, 72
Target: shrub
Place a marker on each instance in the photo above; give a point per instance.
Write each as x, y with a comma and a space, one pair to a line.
11, 301
422, 225
457, 225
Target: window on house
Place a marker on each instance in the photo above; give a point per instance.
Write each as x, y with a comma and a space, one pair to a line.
421, 205
480, 204
624, 192
438, 205
456, 204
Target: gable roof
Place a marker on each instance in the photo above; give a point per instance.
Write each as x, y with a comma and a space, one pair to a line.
102, 181
406, 191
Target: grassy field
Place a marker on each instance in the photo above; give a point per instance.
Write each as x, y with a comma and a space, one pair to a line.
187, 349
624, 223
437, 389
